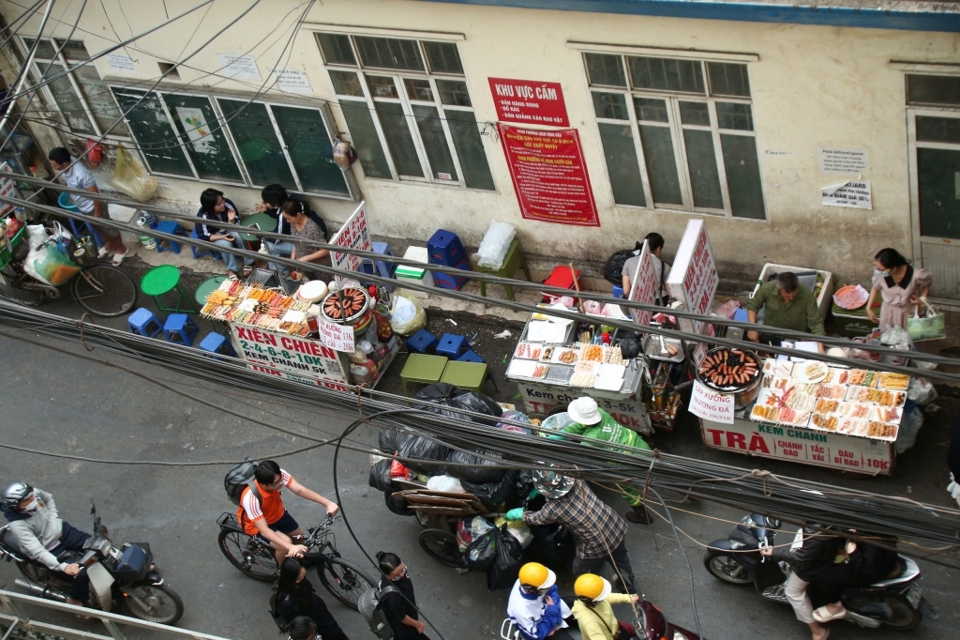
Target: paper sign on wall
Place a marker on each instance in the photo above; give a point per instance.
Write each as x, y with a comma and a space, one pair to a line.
120, 63
710, 405
239, 67
292, 80
529, 102
843, 160
854, 194
195, 124
336, 336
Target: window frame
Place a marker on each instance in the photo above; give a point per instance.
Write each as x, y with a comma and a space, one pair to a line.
676, 127
249, 181
369, 100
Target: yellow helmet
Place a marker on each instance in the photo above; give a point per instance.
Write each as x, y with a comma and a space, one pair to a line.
592, 587
537, 576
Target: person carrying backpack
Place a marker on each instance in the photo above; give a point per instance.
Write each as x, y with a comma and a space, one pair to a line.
262, 514
399, 604
296, 597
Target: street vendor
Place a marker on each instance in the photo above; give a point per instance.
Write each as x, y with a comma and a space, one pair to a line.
899, 285
786, 304
303, 228
593, 422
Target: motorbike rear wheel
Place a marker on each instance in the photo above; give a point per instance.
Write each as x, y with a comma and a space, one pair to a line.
726, 569
346, 581
250, 557
905, 617
154, 603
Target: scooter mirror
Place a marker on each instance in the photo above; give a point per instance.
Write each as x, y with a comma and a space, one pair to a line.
772, 523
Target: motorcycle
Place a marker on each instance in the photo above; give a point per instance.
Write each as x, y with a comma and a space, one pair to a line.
653, 626
894, 602
119, 576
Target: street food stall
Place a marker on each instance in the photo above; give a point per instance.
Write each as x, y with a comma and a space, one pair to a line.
799, 410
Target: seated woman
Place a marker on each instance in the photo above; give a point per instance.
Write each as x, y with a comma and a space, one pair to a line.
214, 211
303, 228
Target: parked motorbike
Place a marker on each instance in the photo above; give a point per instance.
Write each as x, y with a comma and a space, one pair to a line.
653, 626
894, 602
125, 576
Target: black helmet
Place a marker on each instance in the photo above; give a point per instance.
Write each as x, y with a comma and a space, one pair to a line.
14, 493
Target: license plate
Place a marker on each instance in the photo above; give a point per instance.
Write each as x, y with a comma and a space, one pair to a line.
913, 595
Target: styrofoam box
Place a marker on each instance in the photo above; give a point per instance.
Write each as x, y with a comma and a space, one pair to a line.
824, 300
129, 215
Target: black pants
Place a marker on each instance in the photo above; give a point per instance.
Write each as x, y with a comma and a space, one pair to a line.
621, 564
826, 585
73, 540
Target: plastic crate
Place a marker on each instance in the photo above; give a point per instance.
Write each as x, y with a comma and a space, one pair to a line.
824, 298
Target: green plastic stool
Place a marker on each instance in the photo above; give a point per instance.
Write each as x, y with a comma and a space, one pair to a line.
511, 262
467, 375
207, 287
162, 280
421, 368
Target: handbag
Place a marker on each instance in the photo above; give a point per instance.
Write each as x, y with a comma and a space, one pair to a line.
929, 327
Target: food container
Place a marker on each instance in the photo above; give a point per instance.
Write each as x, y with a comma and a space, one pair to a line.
655, 347
743, 394
360, 319
312, 291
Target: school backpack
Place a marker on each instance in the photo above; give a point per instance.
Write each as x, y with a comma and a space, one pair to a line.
613, 272
239, 478
275, 611
369, 606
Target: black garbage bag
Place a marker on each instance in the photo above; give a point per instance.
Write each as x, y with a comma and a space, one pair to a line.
421, 448
442, 393
390, 440
481, 553
553, 545
380, 475
491, 493
505, 568
486, 472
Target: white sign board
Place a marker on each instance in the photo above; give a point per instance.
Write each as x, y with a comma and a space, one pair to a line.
239, 67
336, 336
711, 405
352, 235
120, 63
643, 286
625, 409
292, 80
854, 194
694, 278
301, 357
843, 160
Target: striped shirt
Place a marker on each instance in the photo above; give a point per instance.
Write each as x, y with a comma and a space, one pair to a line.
597, 528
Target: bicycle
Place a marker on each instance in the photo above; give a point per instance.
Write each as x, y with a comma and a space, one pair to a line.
102, 289
256, 559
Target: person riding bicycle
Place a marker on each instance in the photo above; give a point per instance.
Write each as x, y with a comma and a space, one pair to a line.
535, 606
263, 515
42, 536
594, 611
296, 597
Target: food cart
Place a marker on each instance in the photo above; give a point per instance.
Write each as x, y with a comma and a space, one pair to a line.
805, 411
557, 361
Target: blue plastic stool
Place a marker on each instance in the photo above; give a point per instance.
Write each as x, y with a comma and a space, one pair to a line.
75, 226
199, 253
444, 247
617, 291
422, 341
216, 343
180, 328
450, 345
142, 322
470, 356
173, 228
384, 268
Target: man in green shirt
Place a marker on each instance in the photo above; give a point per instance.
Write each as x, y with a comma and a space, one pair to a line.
786, 305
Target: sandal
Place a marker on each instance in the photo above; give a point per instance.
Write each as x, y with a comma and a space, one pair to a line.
118, 258
823, 614
247, 270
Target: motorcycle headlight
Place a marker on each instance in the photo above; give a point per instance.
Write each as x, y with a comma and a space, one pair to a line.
679, 636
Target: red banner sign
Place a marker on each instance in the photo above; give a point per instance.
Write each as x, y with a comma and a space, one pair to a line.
529, 102
549, 175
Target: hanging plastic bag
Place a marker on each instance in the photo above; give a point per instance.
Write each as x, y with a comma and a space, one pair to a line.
55, 266
94, 153
930, 326
406, 315
131, 178
921, 391
909, 427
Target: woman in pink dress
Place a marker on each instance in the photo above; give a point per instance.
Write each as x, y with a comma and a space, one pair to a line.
899, 285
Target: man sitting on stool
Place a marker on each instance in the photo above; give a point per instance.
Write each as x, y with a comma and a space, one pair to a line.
786, 304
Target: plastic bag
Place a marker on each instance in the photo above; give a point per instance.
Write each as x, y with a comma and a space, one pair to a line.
447, 395
445, 483
486, 471
468, 529
390, 440
728, 309
929, 327
131, 178
518, 529
421, 448
495, 244
921, 391
380, 475
94, 153
557, 421
909, 427
896, 338
490, 493
481, 553
397, 470
516, 416
505, 568
55, 266
406, 314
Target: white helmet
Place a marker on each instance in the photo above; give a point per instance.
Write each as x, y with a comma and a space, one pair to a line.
15, 493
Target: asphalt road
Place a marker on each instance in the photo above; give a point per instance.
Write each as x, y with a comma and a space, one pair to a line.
57, 403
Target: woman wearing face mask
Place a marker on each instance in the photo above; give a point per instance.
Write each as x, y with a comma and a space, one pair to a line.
400, 606
899, 285
296, 597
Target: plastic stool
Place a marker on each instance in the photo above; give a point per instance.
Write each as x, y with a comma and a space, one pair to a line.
444, 247
617, 291
450, 345
466, 375
422, 341
470, 356
199, 253
179, 325
216, 343
142, 322
386, 269
511, 262
65, 201
421, 368
173, 228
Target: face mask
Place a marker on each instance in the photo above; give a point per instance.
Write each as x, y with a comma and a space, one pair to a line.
31, 507
883, 274
402, 576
